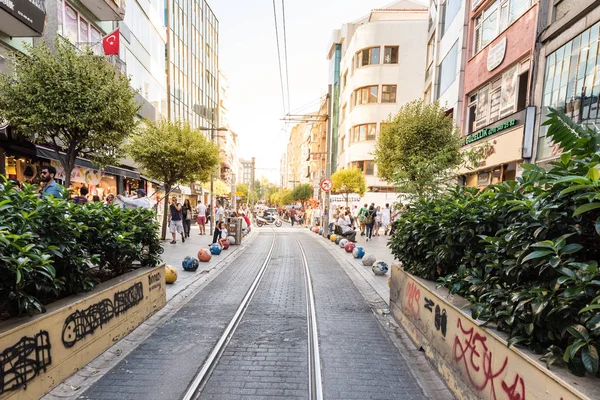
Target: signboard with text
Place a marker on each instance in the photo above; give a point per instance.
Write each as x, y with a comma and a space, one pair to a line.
32, 13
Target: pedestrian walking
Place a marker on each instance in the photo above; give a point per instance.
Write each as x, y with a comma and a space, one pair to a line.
186, 211
201, 218
386, 218
292, 215
50, 188
176, 220
361, 218
377, 221
370, 218
219, 217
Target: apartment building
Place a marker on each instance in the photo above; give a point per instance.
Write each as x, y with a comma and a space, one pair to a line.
376, 65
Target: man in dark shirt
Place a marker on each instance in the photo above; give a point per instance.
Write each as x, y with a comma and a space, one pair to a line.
175, 220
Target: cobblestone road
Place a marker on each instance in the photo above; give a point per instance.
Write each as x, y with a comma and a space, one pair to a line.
267, 356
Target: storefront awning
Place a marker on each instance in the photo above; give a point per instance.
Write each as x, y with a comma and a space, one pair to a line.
45, 152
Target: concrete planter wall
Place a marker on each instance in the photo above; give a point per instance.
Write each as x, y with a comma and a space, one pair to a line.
40, 352
476, 362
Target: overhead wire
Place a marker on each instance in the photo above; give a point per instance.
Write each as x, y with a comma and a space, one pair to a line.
285, 53
279, 57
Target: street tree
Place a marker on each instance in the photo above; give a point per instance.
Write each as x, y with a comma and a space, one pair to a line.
302, 193
418, 148
282, 197
71, 101
243, 189
348, 181
173, 153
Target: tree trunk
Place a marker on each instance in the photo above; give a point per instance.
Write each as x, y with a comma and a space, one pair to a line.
163, 234
347, 195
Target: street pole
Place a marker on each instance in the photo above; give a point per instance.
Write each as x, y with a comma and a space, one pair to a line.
328, 155
212, 188
233, 193
253, 185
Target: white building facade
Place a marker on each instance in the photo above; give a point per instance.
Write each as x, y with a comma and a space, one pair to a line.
377, 65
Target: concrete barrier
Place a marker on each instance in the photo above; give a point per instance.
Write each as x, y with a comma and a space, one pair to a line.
475, 361
37, 353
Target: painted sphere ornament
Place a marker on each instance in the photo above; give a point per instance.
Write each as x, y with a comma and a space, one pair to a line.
170, 274
358, 252
320, 231
231, 240
226, 245
368, 260
343, 243
338, 239
380, 268
204, 255
333, 237
215, 249
190, 264
349, 247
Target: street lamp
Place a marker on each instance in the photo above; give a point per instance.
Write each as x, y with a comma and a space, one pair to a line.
212, 177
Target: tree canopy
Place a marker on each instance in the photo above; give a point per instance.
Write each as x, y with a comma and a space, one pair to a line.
348, 181
242, 188
282, 197
417, 146
302, 193
71, 101
172, 153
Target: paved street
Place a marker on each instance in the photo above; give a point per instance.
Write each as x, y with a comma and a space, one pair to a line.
267, 355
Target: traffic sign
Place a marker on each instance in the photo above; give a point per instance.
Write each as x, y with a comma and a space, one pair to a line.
326, 185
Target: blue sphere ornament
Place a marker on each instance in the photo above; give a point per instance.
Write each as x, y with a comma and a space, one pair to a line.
358, 252
343, 243
190, 263
215, 249
380, 268
320, 231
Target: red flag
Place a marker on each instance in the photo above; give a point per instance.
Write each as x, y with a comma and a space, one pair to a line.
111, 43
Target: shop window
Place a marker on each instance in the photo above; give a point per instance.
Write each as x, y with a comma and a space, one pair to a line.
483, 178
472, 114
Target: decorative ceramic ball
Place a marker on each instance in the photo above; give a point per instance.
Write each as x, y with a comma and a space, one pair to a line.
328, 236
358, 252
320, 231
170, 274
368, 260
349, 247
316, 230
343, 243
190, 264
215, 249
338, 239
333, 237
380, 268
226, 245
204, 255
231, 240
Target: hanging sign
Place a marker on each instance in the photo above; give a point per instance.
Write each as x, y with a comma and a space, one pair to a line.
496, 54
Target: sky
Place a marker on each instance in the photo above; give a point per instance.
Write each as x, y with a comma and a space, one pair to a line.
248, 58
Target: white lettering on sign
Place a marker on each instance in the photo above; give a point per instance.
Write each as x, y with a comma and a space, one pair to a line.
8, 3
496, 54
39, 4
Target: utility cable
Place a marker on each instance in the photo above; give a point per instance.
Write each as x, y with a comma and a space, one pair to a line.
279, 56
287, 73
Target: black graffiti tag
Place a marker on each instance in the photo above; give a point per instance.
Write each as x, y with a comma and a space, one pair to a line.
85, 322
24, 361
440, 318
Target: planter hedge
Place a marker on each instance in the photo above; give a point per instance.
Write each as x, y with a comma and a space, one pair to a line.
525, 253
53, 248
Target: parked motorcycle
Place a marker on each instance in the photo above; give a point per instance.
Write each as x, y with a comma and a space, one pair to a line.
268, 220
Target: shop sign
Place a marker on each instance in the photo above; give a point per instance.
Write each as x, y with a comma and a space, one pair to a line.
482, 134
79, 174
496, 54
30, 12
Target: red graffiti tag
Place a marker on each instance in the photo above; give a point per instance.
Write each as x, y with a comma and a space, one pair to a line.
478, 363
414, 296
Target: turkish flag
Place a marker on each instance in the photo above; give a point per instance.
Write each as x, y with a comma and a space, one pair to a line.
111, 43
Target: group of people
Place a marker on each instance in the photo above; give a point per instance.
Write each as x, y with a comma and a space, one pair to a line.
369, 220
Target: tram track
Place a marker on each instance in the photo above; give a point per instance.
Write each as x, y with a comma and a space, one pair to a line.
315, 387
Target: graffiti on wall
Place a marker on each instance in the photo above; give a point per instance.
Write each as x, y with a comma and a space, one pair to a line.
154, 281
85, 322
440, 319
413, 294
21, 363
471, 350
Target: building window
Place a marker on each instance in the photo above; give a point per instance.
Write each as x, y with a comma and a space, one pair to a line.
448, 70
497, 99
572, 84
451, 8
366, 166
390, 55
345, 79
76, 28
388, 93
496, 18
363, 132
366, 57
365, 95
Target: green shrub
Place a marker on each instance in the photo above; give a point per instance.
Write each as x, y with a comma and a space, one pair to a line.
53, 248
525, 253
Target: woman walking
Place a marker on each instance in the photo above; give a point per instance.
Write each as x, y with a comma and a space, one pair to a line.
370, 219
377, 220
187, 217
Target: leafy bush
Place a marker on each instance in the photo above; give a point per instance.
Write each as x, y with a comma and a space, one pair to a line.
525, 253
53, 248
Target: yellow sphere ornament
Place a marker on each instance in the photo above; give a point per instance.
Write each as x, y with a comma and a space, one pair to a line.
170, 274
333, 237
